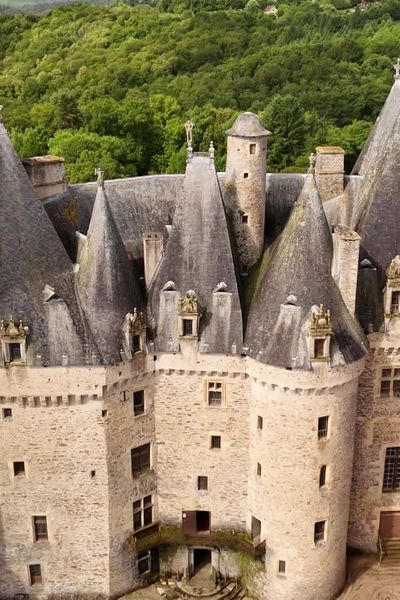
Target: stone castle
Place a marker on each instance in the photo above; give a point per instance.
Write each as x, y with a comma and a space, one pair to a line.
200, 369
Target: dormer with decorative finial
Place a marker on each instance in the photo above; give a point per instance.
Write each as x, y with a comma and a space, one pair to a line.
392, 291
188, 315
320, 333
13, 341
133, 333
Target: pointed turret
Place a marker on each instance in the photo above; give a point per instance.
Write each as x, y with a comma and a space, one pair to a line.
297, 278
31, 254
198, 269
106, 286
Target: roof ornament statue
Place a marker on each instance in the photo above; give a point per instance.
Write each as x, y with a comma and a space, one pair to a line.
188, 304
397, 69
100, 177
13, 328
311, 159
134, 322
321, 323
189, 126
393, 272
211, 150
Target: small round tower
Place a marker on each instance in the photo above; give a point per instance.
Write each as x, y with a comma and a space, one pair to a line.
245, 184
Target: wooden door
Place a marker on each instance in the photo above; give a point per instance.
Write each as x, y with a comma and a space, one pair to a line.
189, 522
389, 525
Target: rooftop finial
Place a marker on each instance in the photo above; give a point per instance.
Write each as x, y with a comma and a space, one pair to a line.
1, 113
311, 160
100, 177
189, 126
211, 150
397, 69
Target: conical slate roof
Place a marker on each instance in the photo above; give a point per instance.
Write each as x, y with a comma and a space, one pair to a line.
198, 256
297, 277
106, 286
31, 254
248, 124
378, 206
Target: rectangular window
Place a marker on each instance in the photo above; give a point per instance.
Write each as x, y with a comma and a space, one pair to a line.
138, 403
19, 469
323, 423
281, 567
142, 513
391, 474
245, 175
144, 562
252, 148
258, 469
136, 346
322, 476
40, 528
243, 218
215, 441
255, 529
7, 413
140, 459
15, 352
260, 423
319, 345
319, 532
390, 382
214, 393
395, 302
35, 574
187, 327
202, 482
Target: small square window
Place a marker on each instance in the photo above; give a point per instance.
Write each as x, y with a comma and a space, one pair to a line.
214, 391
245, 175
215, 441
243, 218
281, 567
259, 469
35, 574
144, 562
202, 483
252, 148
19, 469
260, 423
319, 532
187, 327
40, 528
7, 413
323, 423
138, 403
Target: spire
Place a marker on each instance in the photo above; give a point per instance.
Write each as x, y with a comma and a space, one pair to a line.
297, 277
106, 286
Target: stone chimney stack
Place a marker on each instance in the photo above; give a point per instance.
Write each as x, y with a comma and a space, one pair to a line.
329, 171
346, 247
153, 247
47, 174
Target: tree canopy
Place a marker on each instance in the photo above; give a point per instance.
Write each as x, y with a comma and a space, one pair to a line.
111, 85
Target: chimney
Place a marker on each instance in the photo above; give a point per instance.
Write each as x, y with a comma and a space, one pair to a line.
153, 247
329, 171
346, 246
47, 174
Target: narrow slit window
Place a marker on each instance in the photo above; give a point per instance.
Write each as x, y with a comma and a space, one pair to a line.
322, 476
281, 567
319, 532
260, 423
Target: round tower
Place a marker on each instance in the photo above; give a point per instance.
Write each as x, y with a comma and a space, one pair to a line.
245, 184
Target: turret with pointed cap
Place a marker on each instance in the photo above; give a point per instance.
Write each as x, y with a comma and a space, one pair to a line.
106, 285
298, 276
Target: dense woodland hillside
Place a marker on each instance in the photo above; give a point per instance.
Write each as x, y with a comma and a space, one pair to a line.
112, 85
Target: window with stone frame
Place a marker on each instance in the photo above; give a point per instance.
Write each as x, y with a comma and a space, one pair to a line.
40, 528
323, 427
187, 325
35, 575
138, 403
391, 474
390, 382
395, 302
202, 483
142, 513
215, 390
141, 461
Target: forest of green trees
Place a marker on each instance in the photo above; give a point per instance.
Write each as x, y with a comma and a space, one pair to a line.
111, 85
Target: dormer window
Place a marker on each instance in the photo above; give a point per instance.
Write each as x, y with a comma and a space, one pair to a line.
133, 334
188, 315
320, 333
13, 341
319, 348
392, 292
395, 302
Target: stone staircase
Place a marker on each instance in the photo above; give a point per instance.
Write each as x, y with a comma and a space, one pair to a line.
173, 589
390, 552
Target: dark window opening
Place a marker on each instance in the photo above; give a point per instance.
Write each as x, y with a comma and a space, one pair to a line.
144, 562
136, 343
7, 413
201, 558
319, 532
187, 327
19, 468
255, 529
245, 175
92, 474
142, 513
202, 520
395, 302
40, 528
260, 423
202, 482
140, 459
319, 348
322, 476
243, 218
282, 567
385, 389
390, 382
214, 393
15, 352
391, 474
103, 413
252, 148
258, 469
323, 423
138, 403
35, 574
215, 441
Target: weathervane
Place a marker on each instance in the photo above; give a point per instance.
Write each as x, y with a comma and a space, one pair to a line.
189, 126
100, 177
311, 160
397, 69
